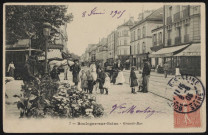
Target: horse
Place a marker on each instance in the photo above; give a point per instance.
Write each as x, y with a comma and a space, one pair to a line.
60, 63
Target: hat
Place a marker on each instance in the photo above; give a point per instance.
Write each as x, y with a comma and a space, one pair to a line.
133, 67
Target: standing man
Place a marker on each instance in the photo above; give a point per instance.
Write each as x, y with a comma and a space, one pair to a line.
146, 75
28, 76
11, 69
165, 69
75, 72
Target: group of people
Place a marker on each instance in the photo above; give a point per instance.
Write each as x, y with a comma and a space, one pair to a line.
141, 83
95, 78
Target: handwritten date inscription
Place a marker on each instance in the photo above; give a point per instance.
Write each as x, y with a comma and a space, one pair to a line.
94, 11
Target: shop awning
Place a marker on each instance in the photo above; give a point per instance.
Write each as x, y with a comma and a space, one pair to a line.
192, 50
52, 54
167, 52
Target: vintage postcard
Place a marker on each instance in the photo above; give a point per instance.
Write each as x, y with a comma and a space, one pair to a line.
104, 67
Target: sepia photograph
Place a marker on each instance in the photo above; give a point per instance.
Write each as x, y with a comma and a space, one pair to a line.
104, 67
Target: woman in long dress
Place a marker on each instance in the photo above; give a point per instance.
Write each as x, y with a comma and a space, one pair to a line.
11, 69
120, 78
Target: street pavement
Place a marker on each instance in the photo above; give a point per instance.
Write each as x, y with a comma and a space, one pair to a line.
155, 99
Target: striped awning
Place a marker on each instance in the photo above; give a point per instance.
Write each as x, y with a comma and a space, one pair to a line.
167, 52
192, 50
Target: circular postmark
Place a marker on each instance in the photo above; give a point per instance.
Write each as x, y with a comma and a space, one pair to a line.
188, 93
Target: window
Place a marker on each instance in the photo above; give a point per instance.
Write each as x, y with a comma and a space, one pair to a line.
143, 47
179, 31
160, 38
125, 32
131, 36
138, 48
135, 49
144, 32
170, 11
125, 52
186, 29
139, 33
125, 42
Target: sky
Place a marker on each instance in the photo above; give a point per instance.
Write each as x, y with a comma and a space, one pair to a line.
89, 29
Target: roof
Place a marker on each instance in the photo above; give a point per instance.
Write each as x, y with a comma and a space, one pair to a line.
192, 50
157, 15
128, 23
169, 51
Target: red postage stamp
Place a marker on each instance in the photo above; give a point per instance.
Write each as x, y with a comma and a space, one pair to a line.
188, 97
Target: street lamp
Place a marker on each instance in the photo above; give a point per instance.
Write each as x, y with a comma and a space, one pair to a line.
46, 33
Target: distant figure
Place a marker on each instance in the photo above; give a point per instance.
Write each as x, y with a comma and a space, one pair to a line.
106, 85
120, 78
11, 69
93, 71
101, 79
27, 74
146, 75
165, 68
66, 68
133, 80
55, 74
89, 82
84, 83
75, 72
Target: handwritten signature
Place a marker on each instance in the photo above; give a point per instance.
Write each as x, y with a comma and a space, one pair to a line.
94, 11
132, 110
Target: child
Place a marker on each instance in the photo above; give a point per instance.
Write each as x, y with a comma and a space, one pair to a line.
90, 82
106, 85
84, 81
133, 80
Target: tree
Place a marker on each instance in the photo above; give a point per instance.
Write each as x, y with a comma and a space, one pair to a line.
26, 21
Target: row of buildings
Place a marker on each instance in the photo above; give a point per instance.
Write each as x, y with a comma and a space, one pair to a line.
169, 34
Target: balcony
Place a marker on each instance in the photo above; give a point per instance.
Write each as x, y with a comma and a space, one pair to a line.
169, 20
169, 42
177, 17
177, 40
186, 38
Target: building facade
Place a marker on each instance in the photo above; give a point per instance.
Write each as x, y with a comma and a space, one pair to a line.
141, 35
112, 46
102, 51
157, 44
123, 44
182, 39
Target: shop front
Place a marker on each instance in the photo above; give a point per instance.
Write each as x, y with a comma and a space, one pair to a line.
186, 57
166, 55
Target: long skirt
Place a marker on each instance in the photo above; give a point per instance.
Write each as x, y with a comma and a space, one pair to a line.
75, 78
114, 77
11, 72
120, 78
